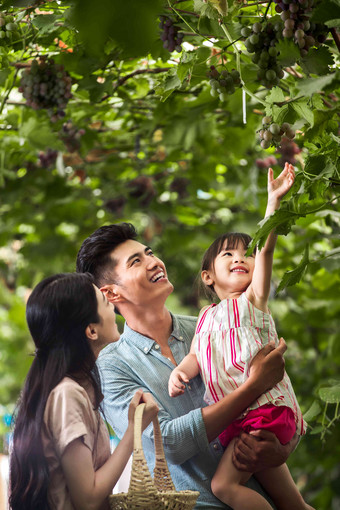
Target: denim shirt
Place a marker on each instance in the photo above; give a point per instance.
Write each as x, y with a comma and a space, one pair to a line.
135, 362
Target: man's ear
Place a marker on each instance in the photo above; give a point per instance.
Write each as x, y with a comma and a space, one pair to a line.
91, 332
207, 278
111, 293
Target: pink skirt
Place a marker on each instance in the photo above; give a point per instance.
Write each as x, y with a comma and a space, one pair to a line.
277, 419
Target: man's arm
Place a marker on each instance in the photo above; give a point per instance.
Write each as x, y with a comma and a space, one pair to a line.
184, 436
266, 370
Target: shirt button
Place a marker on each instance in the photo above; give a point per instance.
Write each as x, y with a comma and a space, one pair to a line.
157, 347
145, 349
180, 337
215, 446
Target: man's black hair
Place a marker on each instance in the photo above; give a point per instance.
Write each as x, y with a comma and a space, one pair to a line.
94, 255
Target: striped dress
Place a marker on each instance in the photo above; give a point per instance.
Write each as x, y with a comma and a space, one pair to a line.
228, 336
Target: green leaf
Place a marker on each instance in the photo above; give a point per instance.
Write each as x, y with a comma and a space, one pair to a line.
39, 134
46, 23
288, 52
186, 65
326, 10
167, 84
292, 277
317, 61
309, 86
275, 96
330, 395
282, 218
205, 9
313, 411
4, 73
304, 111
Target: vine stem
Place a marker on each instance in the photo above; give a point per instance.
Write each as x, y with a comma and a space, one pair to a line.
335, 37
238, 65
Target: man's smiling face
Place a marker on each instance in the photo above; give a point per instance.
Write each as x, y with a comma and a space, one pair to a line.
140, 276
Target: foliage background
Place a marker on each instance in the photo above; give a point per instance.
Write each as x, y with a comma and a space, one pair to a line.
152, 146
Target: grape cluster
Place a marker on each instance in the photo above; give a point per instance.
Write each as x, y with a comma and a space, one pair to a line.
272, 133
47, 158
172, 39
288, 150
71, 136
261, 40
295, 14
45, 85
223, 83
8, 28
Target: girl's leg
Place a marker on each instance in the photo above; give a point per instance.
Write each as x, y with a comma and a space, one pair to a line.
228, 485
280, 486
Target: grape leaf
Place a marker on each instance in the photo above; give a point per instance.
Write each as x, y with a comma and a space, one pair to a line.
309, 86
292, 277
220, 5
275, 96
317, 61
46, 23
326, 10
330, 395
313, 411
288, 52
304, 111
205, 9
282, 219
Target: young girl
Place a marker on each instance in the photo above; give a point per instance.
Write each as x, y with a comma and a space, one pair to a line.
228, 336
60, 458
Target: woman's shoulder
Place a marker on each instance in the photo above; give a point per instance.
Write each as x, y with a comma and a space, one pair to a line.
68, 389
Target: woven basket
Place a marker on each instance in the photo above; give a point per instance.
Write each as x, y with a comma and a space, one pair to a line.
145, 493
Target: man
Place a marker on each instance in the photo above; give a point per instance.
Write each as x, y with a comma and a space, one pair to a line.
153, 342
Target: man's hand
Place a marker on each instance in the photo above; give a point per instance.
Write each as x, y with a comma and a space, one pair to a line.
279, 187
260, 450
267, 367
176, 380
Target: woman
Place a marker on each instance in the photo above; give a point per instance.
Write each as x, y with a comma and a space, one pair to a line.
61, 451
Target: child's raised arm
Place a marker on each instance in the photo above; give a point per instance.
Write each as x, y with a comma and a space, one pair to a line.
258, 291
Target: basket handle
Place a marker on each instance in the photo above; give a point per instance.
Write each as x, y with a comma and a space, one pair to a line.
162, 477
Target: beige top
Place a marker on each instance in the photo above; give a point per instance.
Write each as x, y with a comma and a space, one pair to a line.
69, 415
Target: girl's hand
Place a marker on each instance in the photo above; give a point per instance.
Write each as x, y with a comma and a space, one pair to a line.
176, 380
279, 187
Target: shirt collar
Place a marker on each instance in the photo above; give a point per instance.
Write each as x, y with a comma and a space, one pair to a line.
145, 343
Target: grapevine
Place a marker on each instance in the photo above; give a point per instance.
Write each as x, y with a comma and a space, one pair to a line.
261, 40
45, 85
297, 25
172, 39
272, 133
224, 82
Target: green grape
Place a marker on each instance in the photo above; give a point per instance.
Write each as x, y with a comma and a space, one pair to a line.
266, 120
274, 129
265, 144
270, 75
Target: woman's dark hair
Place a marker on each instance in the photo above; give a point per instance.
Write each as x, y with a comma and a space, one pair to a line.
94, 255
58, 312
228, 240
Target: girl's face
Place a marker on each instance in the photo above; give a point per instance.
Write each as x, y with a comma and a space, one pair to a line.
231, 273
107, 329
